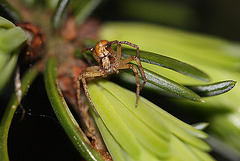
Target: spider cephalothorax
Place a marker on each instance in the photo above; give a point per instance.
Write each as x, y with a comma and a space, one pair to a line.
109, 62
106, 56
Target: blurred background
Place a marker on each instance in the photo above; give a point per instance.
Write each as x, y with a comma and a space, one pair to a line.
40, 133
215, 17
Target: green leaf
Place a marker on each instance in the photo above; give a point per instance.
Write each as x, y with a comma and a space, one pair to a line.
4, 23
64, 115
170, 86
213, 89
130, 100
27, 79
12, 39
8, 69
60, 13
200, 154
4, 59
188, 138
113, 147
145, 122
181, 151
201, 125
206, 90
167, 62
147, 113
112, 120
157, 145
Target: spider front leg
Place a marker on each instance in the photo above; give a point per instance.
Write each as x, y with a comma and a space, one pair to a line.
82, 78
93, 54
132, 45
119, 47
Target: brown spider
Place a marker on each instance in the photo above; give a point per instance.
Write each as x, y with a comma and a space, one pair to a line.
109, 63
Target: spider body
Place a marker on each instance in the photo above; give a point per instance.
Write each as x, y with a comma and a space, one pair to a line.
109, 62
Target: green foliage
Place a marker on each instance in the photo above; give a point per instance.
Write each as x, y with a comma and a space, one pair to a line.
213, 89
64, 115
11, 40
217, 57
145, 132
169, 63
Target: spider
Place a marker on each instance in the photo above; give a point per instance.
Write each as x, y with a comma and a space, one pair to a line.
109, 62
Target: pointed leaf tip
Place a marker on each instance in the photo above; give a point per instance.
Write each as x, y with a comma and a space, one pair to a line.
213, 88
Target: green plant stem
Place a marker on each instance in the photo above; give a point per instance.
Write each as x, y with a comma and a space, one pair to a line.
10, 111
65, 116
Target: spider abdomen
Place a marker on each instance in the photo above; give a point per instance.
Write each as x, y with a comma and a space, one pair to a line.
106, 63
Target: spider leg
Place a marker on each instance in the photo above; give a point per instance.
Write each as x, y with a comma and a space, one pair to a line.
92, 68
93, 53
129, 59
78, 84
127, 66
85, 55
119, 47
132, 45
118, 53
95, 56
82, 78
